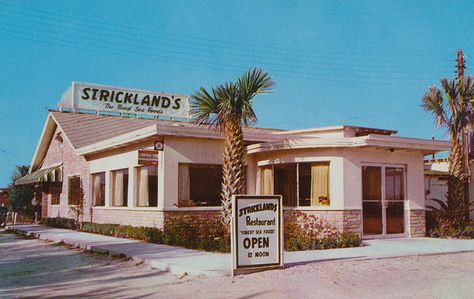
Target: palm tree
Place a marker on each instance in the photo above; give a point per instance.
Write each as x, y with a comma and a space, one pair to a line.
21, 195
228, 108
452, 108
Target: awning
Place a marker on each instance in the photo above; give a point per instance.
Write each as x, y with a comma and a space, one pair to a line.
50, 174
436, 172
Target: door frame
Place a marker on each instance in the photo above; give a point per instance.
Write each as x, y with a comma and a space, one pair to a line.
384, 234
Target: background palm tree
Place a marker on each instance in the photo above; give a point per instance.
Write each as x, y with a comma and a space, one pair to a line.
452, 108
21, 195
228, 108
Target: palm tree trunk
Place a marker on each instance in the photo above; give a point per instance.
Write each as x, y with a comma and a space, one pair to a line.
233, 168
456, 184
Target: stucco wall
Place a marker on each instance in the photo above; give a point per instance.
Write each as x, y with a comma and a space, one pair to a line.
355, 158
335, 157
192, 150
345, 181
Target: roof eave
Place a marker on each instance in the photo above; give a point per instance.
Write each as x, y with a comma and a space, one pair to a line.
43, 142
374, 140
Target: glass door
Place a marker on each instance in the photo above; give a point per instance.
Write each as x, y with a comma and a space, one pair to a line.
372, 200
394, 201
383, 200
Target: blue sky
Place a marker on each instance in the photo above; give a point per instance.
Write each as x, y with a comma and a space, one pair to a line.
364, 63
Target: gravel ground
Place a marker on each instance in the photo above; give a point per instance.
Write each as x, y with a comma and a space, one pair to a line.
35, 268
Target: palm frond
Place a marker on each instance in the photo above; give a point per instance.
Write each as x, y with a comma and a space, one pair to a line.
441, 203
433, 102
205, 108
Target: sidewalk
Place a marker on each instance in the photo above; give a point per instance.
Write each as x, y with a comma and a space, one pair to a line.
179, 260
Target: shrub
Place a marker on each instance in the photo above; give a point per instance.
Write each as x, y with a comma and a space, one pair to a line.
301, 232
60, 222
206, 233
148, 234
307, 232
102, 228
452, 232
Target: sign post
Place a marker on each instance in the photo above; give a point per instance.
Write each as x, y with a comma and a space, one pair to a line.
257, 233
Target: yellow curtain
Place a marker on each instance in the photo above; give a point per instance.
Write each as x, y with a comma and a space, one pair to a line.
319, 184
184, 196
97, 190
143, 188
118, 189
266, 180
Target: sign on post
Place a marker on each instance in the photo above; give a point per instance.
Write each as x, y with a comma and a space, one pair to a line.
257, 233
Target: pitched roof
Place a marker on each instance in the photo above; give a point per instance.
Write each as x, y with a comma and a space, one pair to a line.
87, 129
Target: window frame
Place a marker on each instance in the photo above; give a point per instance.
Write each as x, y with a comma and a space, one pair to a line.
193, 205
69, 178
112, 188
92, 175
52, 193
136, 192
297, 165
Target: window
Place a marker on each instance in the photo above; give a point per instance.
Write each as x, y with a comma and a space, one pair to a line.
147, 186
300, 184
285, 183
98, 189
314, 179
55, 191
199, 185
119, 180
74, 190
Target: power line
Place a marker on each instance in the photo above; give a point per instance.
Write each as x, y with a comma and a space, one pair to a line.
78, 38
140, 31
192, 51
199, 64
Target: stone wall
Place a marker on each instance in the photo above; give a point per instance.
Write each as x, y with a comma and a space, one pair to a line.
417, 223
196, 215
343, 220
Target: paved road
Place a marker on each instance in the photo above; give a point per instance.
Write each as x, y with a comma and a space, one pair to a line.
36, 268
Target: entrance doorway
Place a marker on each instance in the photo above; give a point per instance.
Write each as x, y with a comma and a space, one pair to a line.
383, 200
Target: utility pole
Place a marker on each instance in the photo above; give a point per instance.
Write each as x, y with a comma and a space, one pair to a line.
466, 135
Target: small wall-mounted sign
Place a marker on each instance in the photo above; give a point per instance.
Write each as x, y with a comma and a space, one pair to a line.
257, 236
159, 145
148, 157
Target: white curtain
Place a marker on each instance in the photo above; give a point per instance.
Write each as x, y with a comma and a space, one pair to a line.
118, 188
183, 184
266, 182
143, 188
97, 191
319, 184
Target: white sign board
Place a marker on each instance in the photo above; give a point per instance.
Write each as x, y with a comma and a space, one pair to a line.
85, 96
257, 236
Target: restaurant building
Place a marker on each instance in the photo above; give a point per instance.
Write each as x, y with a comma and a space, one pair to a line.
142, 171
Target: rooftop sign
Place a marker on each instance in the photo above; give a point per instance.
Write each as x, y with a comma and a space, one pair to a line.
100, 98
